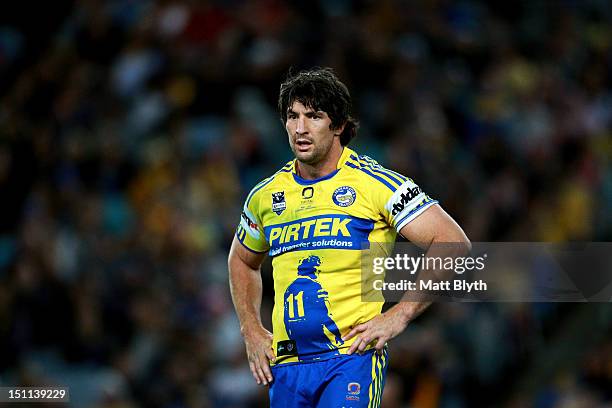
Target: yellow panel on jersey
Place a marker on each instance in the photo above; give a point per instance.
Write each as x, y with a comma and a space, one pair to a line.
314, 230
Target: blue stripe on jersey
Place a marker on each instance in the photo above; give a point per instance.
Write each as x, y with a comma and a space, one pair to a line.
401, 177
373, 165
382, 180
386, 174
355, 164
426, 202
386, 170
240, 233
369, 160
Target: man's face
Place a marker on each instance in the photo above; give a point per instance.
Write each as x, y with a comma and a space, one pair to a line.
310, 136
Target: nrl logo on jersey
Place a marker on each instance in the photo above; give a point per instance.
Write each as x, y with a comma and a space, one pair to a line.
278, 202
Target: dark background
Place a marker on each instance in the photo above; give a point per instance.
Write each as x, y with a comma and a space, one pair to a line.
131, 132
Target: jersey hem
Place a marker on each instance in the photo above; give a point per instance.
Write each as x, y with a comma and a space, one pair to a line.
324, 357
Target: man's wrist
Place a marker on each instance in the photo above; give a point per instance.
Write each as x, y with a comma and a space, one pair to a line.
407, 311
247, 328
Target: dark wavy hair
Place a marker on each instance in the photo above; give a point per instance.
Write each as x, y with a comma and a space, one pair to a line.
321, 90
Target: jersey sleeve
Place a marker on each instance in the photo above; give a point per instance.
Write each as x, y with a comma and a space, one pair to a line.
406, 203
250, 230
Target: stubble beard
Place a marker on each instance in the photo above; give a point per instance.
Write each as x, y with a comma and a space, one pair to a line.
316, 155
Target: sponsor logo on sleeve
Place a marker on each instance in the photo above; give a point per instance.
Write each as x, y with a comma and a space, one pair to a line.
248, 225
405, 198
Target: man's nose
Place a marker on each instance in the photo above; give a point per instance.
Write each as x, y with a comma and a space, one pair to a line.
301, 126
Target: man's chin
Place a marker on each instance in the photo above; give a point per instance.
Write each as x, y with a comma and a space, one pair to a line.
305, 157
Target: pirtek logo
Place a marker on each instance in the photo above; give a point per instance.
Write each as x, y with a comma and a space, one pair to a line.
327, 226
405, 199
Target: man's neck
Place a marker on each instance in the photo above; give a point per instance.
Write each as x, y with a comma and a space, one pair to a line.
321, 169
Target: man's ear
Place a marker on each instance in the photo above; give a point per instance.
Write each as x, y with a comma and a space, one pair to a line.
339, 130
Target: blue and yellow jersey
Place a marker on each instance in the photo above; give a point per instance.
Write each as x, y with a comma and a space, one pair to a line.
315, 231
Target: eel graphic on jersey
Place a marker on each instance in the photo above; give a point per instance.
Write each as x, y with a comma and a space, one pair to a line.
307, 314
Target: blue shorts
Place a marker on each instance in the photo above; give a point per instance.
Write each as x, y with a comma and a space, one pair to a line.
353, 381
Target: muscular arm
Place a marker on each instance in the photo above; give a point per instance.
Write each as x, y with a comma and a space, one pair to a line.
245, 284
433, 226
246, 289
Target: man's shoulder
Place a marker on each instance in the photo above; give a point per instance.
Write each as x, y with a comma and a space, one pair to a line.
373, 174
366, 162
270, 182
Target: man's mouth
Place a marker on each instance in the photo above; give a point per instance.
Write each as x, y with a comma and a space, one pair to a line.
303, 144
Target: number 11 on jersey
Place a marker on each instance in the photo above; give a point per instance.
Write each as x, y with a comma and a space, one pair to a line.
299, 304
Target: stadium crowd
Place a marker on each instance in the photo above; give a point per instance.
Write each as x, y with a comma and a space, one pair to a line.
131, 132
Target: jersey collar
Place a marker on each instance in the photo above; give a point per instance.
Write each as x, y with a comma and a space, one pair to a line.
344, 157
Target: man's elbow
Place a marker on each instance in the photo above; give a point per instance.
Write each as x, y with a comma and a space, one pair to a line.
466, 245
231, 261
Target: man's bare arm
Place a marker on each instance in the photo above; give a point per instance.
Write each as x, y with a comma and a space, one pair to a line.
433, 226
246, 289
